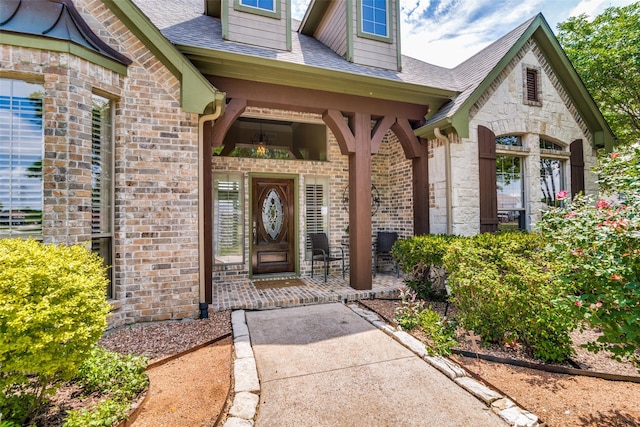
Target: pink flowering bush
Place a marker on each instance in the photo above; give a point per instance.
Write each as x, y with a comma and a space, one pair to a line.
597, 241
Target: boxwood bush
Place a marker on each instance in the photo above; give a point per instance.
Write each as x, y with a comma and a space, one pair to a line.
421, 258
53, 311
504, 288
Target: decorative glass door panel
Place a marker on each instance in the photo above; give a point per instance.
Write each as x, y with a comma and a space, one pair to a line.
273, 248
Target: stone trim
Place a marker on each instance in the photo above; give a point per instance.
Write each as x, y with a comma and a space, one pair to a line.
525, 85
531, 45
561, 91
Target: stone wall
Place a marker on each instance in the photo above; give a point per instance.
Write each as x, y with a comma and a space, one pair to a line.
501, 109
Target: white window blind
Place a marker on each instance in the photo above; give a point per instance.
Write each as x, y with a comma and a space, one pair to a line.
228, 223
21, 154
316, 202
101, 183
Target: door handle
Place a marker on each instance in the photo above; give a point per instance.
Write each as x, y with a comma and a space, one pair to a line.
255, 233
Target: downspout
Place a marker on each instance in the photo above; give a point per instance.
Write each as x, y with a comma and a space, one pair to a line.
447, 177
203, 305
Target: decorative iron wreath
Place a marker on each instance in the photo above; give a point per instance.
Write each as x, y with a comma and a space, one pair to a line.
375, 199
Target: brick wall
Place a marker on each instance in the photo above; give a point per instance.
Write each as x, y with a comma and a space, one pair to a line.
391, 174
155, 149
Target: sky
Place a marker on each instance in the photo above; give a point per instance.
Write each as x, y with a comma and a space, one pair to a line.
447, 32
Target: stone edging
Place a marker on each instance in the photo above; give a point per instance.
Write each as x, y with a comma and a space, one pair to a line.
501, 405
246, 386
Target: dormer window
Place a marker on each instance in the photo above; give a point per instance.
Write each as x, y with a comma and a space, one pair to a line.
374, 18
267, 5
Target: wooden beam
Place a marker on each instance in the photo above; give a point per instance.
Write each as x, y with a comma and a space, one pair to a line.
340, 129
407, 138
379, 131
421, 191
268, 95
234, 109
360, 204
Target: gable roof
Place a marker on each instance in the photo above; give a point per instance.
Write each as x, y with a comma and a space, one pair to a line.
475, 75
309, 64
196, 93
450, 93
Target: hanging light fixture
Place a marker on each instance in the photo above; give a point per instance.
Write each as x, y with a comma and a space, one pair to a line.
260, 142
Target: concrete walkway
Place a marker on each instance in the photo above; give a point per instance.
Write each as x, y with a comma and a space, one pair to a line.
324, 365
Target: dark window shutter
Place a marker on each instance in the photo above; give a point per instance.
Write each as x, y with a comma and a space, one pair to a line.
532, 85
488, 193
577, 167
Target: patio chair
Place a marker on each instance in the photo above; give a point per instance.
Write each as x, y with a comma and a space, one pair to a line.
383, 246
320, 251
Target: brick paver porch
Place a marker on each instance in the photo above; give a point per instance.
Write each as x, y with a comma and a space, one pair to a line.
315, 291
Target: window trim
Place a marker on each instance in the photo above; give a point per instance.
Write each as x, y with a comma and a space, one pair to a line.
239, 6
241, 181
39, 235
316, 180
526, 82
111, 294
364, 34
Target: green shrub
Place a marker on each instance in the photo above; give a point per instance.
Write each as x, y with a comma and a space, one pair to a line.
504, 288
421, 258
53, 311
122, 376
441, 332
115, 377
104, 414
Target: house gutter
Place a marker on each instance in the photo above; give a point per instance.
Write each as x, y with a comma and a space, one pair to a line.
203, 305
447, 176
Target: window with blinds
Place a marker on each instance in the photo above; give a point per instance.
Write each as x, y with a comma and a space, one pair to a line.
228, 219
21, 154
101, 183
316, 208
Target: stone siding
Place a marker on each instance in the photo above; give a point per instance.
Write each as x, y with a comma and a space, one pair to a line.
502, 109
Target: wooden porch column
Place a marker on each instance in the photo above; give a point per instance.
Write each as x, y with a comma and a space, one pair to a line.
360, 204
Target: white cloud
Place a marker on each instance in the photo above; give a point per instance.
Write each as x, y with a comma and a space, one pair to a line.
447, 32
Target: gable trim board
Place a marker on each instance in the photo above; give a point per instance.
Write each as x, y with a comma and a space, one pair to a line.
227, 64
197, 95
458, 116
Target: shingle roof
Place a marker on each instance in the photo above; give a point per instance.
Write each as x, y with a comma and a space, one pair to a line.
472, 72
184, 23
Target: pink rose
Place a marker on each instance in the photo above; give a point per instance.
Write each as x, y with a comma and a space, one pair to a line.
561, 194
602, 203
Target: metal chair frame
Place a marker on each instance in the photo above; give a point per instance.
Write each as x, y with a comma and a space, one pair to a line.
384, 243
320, 251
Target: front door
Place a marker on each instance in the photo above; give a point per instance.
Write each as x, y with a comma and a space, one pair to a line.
273, 249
